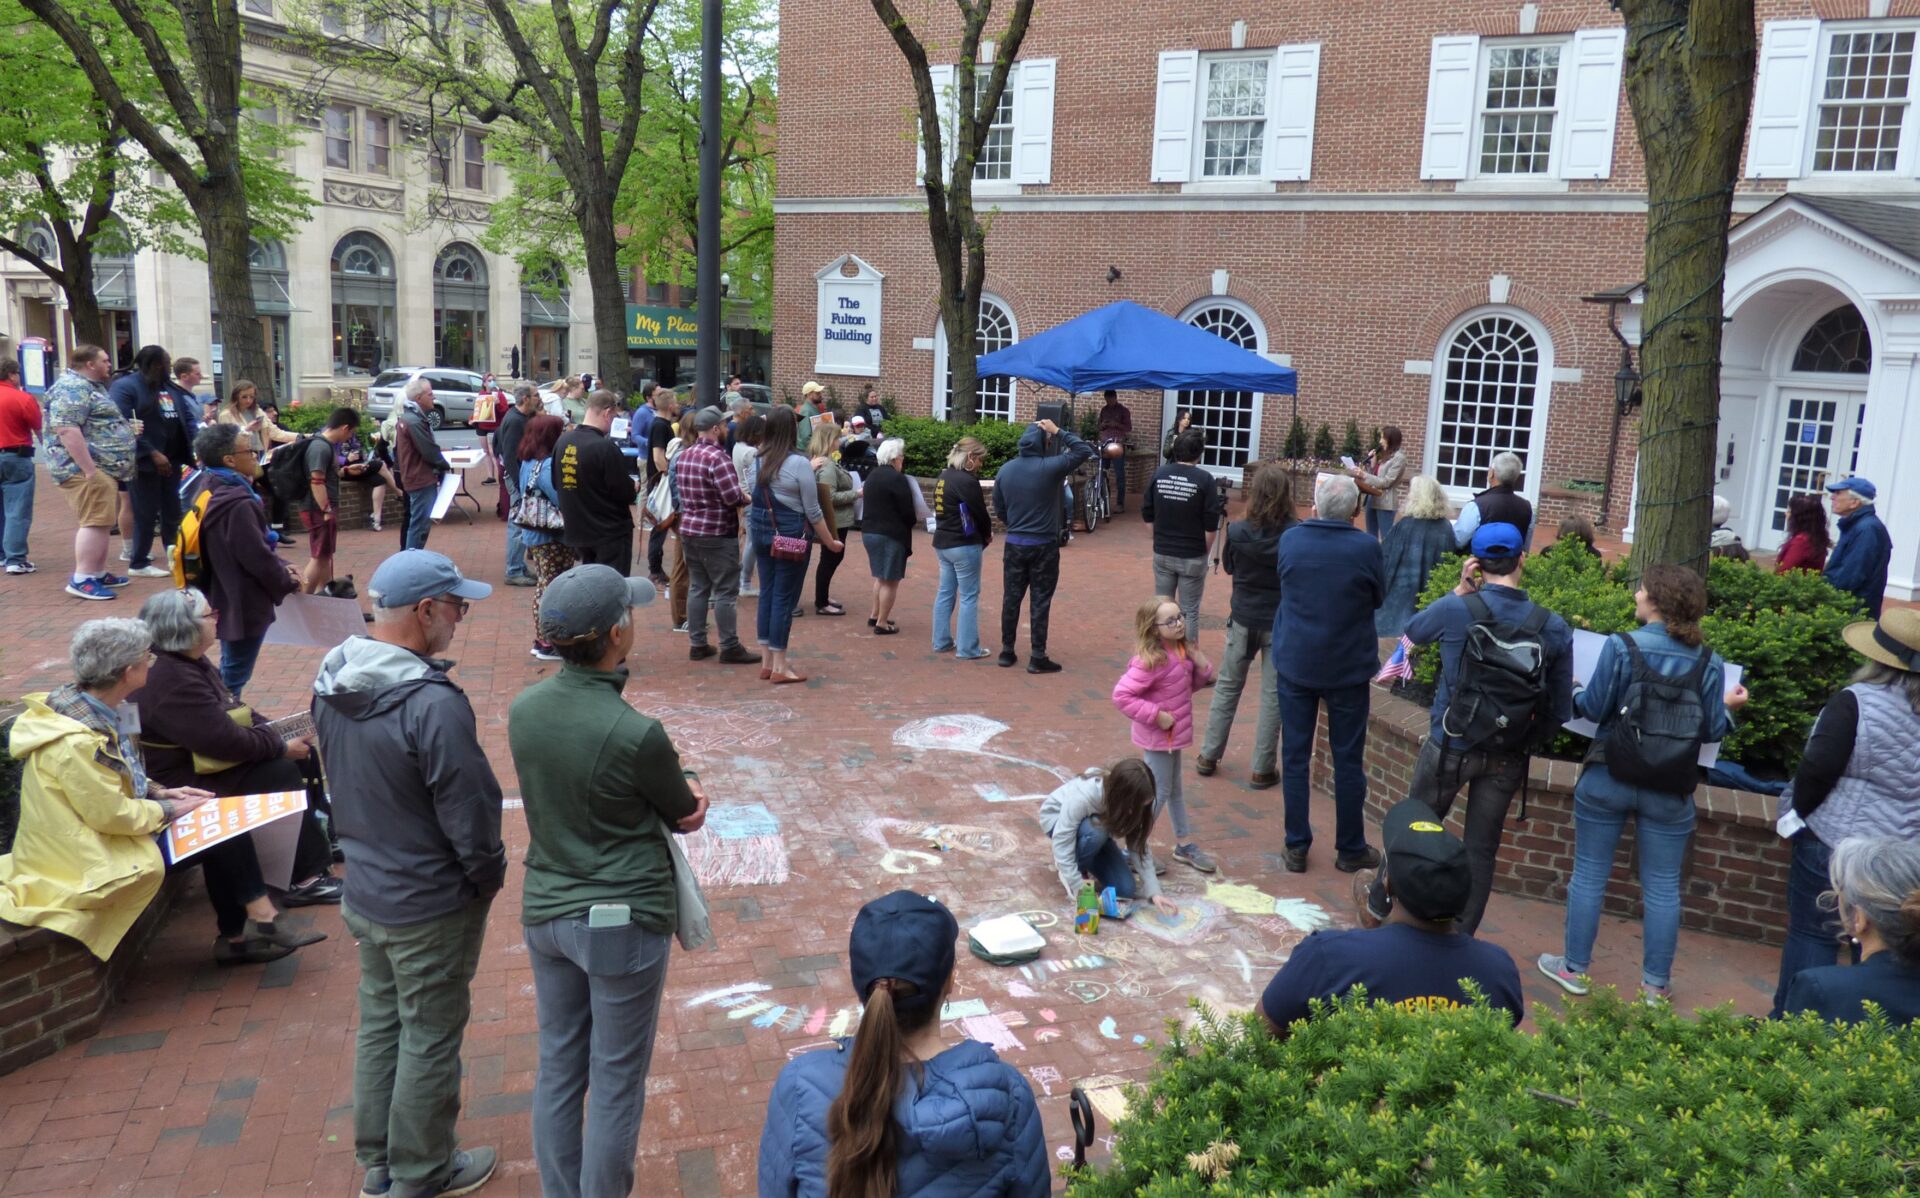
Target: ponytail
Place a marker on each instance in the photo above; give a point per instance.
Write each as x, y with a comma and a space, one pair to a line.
862, 1138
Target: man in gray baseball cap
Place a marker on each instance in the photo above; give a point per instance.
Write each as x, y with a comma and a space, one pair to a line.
417, 811
604, 789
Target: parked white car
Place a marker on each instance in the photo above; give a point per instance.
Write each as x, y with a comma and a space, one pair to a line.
454, 392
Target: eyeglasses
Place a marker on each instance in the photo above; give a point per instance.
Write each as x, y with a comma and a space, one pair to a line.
458, 605
1171, 622
244, 451
212, 613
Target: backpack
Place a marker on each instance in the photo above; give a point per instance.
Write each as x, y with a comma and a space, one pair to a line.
1500, 702
287, 472
1654, 738
190, 565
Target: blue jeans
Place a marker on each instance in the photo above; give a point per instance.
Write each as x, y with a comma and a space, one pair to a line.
1378, 522
1346, 739
1662, 824
420, 516
516, 548
16, 507
959, 576
236, 662
597, 991
1117, 467
1812, 933
1101, 857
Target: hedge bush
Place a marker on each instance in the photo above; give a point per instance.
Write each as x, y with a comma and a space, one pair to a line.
929, 441
312, 417
1783, 628
1611, 1098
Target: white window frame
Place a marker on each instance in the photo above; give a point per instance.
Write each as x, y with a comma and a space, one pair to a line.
1208, 60
1171, 401
1907, 156
1542, 399
1010, 96
942, 395
327, 136
1477, 131
1030, 92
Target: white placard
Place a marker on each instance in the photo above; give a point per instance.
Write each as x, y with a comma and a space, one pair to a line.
1346, 461
449, 487
621, 424
847, 328
1586, 656
464, 459
320, 621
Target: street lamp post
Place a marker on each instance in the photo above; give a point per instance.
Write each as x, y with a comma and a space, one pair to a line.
706, 369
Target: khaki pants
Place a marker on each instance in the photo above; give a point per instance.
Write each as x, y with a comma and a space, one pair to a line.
95, 499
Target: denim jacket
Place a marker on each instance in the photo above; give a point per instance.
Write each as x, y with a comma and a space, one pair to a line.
1600, 697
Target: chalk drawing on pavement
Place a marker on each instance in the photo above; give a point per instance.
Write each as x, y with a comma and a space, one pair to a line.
1046, 1077
698, 730
740, 845
963, 734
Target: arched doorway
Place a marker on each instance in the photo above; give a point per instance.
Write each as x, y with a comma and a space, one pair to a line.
460, 308
1822, 410
546, 314
995, 330
363, 305
1231, 419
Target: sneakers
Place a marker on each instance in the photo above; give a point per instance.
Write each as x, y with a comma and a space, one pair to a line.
1367, 860
22, 567
115, 580
1555, 967
323, 891
1042, 665
150, 571
738, 656
522, 580
92, 588
973, 656
377, 1183
680, 628
1204, 766
472, 1167
1008, 659
702, 652
749, 592
1653, 996
1194, 856
544, 651
126, 552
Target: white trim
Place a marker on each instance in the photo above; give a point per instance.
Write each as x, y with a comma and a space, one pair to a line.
1243, 200
1243, 186
1906, 155
938, 344
1542, 397
1170, 400
1419, 366
1477, 122
1782, 99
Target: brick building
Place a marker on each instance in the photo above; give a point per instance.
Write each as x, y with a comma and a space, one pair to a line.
1407, 203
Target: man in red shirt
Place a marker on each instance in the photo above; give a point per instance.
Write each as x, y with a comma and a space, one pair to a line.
19, 429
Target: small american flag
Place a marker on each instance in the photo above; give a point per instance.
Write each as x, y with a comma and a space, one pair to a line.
1399, 665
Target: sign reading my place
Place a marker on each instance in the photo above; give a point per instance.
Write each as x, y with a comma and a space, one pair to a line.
661, 328
847, 331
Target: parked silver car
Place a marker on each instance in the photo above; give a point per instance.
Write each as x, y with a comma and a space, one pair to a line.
454, 392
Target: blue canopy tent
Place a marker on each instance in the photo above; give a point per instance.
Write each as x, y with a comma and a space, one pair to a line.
1126, 347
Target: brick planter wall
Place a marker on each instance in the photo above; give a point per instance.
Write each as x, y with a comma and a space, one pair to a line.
1733, 882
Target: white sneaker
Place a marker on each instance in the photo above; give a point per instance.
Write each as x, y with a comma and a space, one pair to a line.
749, 592
126, 552
151, 571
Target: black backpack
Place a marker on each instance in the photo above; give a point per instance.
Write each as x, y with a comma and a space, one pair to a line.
287, 473
1654, 738
1500, 702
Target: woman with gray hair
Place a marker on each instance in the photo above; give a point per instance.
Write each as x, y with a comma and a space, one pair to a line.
1421, 536
886, 529
1876, 896
85, 862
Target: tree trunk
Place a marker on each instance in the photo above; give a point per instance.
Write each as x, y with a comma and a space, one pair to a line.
224, 225
83, 309
609, 295
1689, 82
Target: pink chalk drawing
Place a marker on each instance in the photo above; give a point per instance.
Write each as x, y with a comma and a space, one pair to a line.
1196, 918
963, 734
1021, 990
722, 727
1045, 1076
722, 860
1047, 1014
992, 1031
972, 839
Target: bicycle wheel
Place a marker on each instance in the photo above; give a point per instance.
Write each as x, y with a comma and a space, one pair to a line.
1093, 503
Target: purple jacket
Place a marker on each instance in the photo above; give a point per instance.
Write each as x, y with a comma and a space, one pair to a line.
248, 580
184, 704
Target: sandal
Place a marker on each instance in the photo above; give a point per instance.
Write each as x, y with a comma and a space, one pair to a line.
765, 673
887, 629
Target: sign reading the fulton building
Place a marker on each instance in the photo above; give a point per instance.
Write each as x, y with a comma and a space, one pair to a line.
847, 332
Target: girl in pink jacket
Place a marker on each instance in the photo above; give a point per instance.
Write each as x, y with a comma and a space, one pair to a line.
1156, 693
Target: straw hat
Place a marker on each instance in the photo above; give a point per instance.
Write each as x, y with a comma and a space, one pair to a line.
1894, 641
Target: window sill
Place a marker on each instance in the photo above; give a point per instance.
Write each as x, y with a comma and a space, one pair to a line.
1220, 187
1860, 183
1511, 184
361, 179
995, 187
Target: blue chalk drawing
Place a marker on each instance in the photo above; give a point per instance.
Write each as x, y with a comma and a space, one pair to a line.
738, 821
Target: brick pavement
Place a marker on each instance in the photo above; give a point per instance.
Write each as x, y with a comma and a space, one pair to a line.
239, 1082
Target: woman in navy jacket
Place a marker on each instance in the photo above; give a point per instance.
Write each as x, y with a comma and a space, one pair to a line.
1877, 881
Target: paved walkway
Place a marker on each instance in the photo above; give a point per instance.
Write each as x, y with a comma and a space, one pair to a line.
892, 767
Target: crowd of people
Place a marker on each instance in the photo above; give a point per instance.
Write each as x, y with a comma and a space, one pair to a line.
149, 730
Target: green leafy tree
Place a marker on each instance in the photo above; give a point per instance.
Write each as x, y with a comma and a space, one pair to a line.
1350, 445
959, 237
1689, 69
558, 83
1323, 444
1295, 446
166, 76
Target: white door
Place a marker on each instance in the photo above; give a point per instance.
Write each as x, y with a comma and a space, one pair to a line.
1819, 437
1733, 459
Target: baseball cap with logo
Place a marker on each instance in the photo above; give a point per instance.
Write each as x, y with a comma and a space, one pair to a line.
1426, 864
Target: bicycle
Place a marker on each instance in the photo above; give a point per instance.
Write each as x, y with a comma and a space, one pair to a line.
1099, 498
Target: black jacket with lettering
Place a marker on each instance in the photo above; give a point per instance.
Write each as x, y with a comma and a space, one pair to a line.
595, 484
1183, 504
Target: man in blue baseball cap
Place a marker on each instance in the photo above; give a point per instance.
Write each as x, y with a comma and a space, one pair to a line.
417, 811
1858, 563
1506, 686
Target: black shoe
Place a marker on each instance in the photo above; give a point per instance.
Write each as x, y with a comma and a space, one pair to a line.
250, 951
283, 934
1296, 861
1367, 860
738, 656
702, 652
1042, 665
1008, 658
323, 891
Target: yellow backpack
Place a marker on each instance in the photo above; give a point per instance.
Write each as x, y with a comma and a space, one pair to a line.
190, 565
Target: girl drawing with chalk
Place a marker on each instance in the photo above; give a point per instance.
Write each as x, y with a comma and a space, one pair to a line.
1099, 824
1156, 693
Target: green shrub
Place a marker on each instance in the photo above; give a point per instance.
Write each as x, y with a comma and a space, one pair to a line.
1783, 628
928, 441
311, 417
1323, 444
1350, 444
1609, 1098
1296, 443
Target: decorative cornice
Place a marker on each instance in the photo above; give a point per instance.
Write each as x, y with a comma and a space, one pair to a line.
446, 207
358, 195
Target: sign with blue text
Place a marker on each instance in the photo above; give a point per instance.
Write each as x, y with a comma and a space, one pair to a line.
847, 330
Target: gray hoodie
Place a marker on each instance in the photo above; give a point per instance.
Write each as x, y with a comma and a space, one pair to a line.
415, 804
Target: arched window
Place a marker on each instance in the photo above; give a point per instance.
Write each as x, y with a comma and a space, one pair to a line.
545, 314
39, 239
995, 329
363, 305
1838, 343
460, 308
1489, 395
1230, 419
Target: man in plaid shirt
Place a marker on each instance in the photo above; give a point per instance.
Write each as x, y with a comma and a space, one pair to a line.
708, 498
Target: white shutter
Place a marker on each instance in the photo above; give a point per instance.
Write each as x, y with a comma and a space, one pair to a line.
1451, 75
1293, 87
1176, 101
1783, 100
1033, 120
1591, 76
943, 103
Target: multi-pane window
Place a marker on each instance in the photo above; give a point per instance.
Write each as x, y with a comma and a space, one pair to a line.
473, 160
1838, 343
1486, 401
440, 158
259, 8
474, 46
1233, 117
1230, 419
339, 136
1517, 117
379, 128
375, 32
994, 330
333, 20
1864, 101
996, 155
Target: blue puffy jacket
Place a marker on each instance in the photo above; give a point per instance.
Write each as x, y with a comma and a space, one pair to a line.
971, 1128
